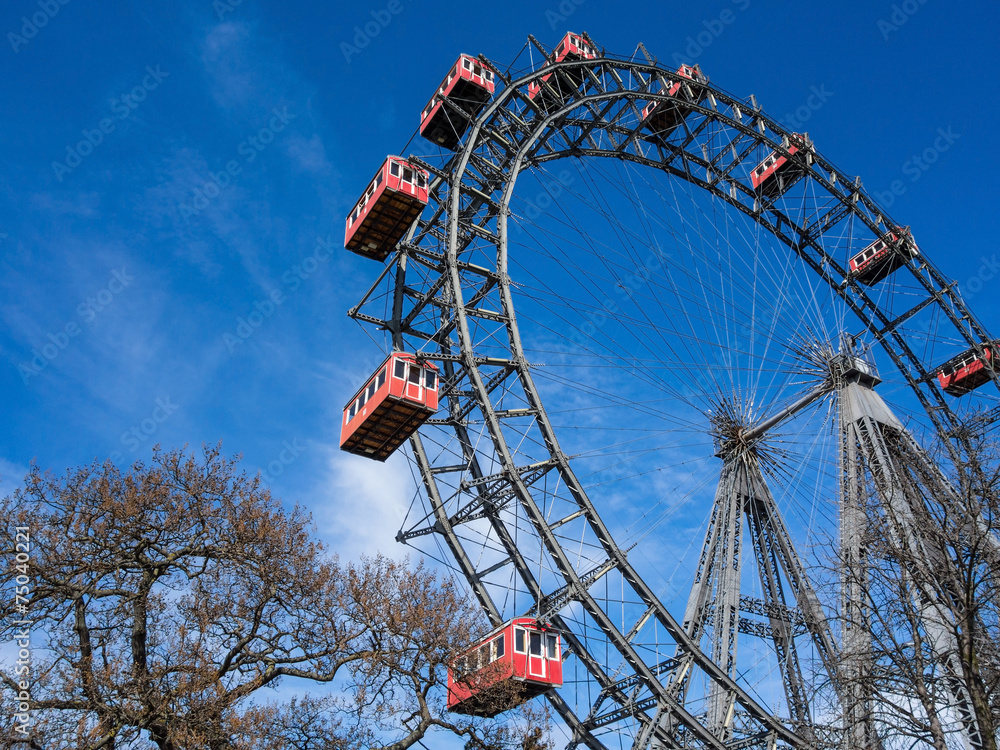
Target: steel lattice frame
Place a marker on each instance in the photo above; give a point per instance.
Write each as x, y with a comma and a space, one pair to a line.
461, 314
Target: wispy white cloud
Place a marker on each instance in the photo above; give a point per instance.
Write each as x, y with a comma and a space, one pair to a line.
365, 504
195, 276
246, 78
233, 70
11, 476
308, 153
204, 224
83, 203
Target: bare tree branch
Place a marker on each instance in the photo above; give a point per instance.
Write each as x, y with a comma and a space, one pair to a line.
171, 594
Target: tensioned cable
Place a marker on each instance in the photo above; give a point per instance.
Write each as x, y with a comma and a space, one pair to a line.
815, 303
725, 330
607, 213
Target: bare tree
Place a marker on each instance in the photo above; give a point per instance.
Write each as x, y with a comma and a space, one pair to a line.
164, 599
930, 584
893, 667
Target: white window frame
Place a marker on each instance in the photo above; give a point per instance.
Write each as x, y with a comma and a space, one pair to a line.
524, 641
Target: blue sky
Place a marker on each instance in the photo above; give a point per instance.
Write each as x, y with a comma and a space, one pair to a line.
171, 168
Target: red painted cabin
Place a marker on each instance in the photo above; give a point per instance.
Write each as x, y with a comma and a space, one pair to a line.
777, 172
511, 665
661, 117
394, 199
395, 401
883, 256
966, 372
467, 84
549, 90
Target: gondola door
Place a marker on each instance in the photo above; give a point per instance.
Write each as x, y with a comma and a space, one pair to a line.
408, 182
536, 655
414, 383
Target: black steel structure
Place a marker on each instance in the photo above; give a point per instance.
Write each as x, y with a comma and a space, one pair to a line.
505, 498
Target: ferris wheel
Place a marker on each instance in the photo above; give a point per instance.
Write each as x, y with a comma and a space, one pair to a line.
646, 381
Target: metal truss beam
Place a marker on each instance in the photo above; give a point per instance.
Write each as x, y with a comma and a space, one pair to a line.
469, 206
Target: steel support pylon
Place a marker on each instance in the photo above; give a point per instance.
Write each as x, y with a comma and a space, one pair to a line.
748, 544
876, 444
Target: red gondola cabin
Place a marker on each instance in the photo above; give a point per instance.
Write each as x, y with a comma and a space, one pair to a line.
661, 117
551, 90
966, 372
777, 172
395, 401
394, 199
883, 256
511, 665
469, 85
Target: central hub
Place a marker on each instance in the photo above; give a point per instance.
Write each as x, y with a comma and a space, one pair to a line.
739, 430
732, 428
832, 367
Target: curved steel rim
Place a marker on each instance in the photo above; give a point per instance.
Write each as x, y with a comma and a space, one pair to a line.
504, 116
